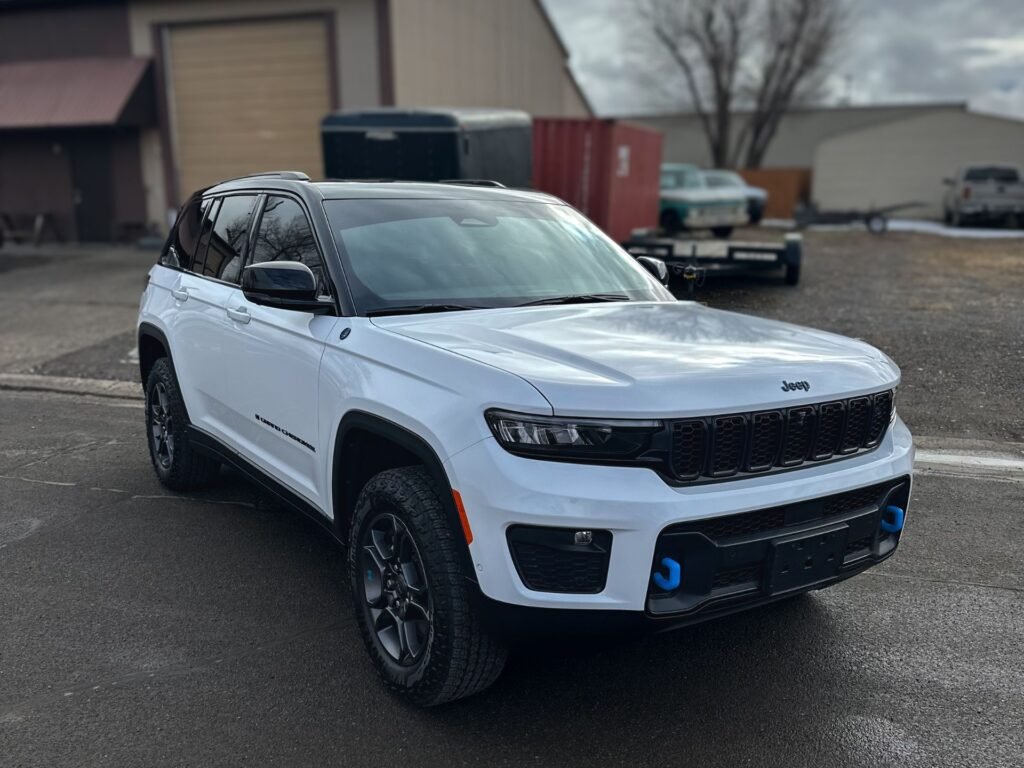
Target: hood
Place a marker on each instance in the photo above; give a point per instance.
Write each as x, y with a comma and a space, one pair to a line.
655, 359
704, 196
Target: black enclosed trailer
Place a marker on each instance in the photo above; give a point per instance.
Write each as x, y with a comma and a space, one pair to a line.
429, 145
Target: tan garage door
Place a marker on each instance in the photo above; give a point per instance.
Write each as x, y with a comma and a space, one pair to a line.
247, 97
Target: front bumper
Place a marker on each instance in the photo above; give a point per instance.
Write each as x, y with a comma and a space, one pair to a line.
500, 491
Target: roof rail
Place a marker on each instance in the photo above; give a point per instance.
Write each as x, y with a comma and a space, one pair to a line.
288, 175
473, 182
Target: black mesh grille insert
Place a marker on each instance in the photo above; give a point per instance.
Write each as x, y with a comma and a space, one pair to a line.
733, 576
718, 447
799, 433
858, 417
549, 560
689, 443
729, 444
830, 430
880, 418
775, 517
765, 440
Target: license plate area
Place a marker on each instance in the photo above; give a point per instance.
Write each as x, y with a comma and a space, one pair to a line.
805, 559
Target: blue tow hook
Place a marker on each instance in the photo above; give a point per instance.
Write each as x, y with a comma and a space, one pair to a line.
674, 578
892, 519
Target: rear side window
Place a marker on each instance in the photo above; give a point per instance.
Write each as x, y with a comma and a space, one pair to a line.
285, 235
210, 206
228, 237
180, 251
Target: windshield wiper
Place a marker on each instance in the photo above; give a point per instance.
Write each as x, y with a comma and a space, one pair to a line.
415, 309
582, 298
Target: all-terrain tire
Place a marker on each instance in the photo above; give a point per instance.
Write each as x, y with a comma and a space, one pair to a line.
459, 658
182, 468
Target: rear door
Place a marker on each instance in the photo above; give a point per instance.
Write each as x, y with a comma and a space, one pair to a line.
274, 357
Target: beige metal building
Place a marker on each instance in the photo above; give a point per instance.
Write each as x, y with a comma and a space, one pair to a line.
244, 83
907, 159
799, 134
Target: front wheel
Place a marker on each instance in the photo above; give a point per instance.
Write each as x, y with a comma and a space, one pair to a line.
412, 601
723, 233
670, 221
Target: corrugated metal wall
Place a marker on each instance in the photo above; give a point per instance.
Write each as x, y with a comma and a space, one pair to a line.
607, 169
907, 160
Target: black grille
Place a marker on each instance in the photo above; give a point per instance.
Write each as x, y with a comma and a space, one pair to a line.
689, 444
773, 518
830, 429
733, 576
880, 418
860, 545
765, 440
718, 447
857, 422
728, 444
548, 560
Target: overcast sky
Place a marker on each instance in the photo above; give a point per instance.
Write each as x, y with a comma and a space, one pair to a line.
895, 51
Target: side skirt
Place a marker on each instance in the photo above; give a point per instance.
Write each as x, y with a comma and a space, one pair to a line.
211, 446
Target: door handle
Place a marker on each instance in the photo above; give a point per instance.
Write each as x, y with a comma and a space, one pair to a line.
240, 315
181, 295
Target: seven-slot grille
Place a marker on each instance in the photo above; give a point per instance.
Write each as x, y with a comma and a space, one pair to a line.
723, 446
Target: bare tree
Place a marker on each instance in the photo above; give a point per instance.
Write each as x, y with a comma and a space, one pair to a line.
761, 55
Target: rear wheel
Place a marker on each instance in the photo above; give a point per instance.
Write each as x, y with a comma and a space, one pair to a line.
176, 461
412, 601
722, 232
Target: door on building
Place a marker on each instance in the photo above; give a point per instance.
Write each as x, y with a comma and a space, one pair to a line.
246, 97
92, 187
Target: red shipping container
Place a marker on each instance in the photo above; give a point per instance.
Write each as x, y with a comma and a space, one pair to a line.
608, 169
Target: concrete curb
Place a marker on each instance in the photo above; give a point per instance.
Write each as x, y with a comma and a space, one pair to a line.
69, 385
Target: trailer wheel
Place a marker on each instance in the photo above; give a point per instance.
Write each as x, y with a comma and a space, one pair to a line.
722, 232
792, 276
670, 221
876, 223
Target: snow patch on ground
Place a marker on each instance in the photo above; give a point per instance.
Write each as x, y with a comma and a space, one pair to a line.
907, 225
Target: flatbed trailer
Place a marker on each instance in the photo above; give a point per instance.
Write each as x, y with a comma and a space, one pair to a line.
690, 259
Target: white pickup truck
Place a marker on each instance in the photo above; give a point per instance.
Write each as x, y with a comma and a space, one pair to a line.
985, 193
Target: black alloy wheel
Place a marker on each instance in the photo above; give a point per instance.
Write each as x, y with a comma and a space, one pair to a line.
395, 590
161, 427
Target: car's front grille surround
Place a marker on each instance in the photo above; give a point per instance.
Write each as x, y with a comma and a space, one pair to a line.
733, 445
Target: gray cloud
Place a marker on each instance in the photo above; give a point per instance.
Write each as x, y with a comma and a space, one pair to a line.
895, 51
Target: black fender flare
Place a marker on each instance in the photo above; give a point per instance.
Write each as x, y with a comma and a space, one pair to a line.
414, 444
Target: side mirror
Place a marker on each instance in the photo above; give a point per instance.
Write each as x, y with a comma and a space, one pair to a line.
283, 285
656, 267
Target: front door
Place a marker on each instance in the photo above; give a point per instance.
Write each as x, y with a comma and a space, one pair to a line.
92, 188
275, 358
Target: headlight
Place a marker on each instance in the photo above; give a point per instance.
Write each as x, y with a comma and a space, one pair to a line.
569, 438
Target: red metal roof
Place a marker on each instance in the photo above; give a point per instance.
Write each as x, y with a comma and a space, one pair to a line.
64, 93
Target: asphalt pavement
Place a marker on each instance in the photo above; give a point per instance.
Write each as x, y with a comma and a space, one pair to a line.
140, 627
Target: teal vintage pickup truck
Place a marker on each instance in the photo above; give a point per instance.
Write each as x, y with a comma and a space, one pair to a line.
689, 202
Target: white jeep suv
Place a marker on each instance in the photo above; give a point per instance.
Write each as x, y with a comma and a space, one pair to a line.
510, 423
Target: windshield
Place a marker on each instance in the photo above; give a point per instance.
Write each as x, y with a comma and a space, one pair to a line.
477, 253
688, 178
720, 179
993, 173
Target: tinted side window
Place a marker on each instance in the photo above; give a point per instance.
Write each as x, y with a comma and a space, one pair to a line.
210, 206
227, 239
181, 245
285, 235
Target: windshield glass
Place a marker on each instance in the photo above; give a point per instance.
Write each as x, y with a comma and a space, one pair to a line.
477, 253
719, 179
993, 173
689, 178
